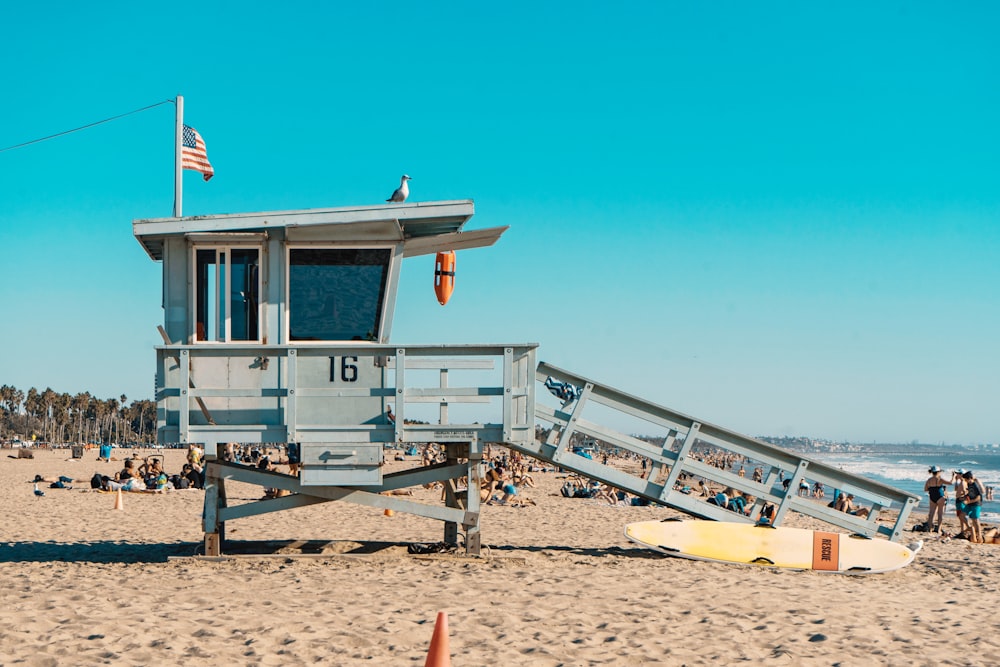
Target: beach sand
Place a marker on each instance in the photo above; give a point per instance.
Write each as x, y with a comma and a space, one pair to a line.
85, 584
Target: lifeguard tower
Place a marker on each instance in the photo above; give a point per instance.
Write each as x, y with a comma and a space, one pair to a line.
277, 331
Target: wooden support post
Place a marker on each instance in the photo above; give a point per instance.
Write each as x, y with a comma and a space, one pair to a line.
472, 505
223, 501
215, 500
473, 546
451, 527
212, 544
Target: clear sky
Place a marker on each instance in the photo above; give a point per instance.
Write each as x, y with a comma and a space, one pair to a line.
781, 218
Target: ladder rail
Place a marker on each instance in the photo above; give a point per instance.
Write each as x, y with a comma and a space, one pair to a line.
684, 462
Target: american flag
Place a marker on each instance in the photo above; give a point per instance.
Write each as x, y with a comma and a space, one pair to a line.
193, 154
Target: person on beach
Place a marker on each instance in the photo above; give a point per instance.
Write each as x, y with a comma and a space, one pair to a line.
937, 490
803, 487
151, 471
720, 499
127, 484
960, 488
973, 505
507, 487
60, 482
128, 472
605, 493
846, 504
510, 490
196, 478
737, 503
522, 478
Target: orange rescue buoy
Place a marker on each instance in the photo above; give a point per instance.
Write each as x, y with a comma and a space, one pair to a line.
444, 276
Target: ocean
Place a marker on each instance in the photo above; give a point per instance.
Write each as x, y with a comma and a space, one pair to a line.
908, 471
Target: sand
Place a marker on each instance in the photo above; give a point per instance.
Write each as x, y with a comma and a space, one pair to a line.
85, 584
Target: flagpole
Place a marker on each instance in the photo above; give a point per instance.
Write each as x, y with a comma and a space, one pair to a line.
178, 160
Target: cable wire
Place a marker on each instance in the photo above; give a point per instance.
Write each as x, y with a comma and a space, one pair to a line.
84, 127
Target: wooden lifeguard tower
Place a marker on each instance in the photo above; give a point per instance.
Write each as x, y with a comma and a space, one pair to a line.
277, 331
277, 328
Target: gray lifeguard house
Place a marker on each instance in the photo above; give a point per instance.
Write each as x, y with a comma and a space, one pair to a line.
277, 331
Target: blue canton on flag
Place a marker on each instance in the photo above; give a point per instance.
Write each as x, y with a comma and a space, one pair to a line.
193, 153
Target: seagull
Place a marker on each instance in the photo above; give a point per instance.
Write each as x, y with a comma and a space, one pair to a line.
39, 492
402, 192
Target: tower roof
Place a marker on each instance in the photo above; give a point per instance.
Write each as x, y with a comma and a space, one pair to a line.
422, 227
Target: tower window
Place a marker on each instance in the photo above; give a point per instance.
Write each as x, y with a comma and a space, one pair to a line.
336, 293
227, 288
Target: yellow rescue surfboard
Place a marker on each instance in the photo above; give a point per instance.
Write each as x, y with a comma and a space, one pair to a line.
795, 548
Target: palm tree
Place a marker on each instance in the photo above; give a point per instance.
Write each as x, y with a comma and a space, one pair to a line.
6, 397
140, 422
111, 415
48, 400
60, 416
97, 409
121, 419
32, 410
78, 407
81, 417
12, 407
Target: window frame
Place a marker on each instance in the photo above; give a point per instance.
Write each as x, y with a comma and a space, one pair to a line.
223, 318
383, 303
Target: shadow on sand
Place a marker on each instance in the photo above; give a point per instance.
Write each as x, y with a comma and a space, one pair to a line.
93, 552
130, 552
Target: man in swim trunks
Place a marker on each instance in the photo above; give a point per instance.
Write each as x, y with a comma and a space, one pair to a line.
974, 505
960, 488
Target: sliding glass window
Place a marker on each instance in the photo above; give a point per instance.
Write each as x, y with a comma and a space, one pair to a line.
226, 294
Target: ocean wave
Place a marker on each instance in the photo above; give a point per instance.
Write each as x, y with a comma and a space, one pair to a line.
902, 471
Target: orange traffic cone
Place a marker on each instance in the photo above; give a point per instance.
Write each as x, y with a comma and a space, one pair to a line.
388, 512
119, 503
439, 654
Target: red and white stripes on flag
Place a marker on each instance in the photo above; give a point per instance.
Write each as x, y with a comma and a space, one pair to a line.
193, 154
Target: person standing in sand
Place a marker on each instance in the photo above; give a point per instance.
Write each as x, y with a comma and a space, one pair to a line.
195, 455
973, 505
961, 489
937, 490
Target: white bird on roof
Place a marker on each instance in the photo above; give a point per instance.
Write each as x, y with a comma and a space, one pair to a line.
402, 192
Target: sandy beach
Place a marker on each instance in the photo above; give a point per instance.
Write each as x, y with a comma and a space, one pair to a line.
85, 584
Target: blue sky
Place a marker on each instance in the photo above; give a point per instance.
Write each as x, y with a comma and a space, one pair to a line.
782, 218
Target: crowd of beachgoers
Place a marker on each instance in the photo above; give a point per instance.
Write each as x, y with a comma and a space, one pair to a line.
68, 551
507, 478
